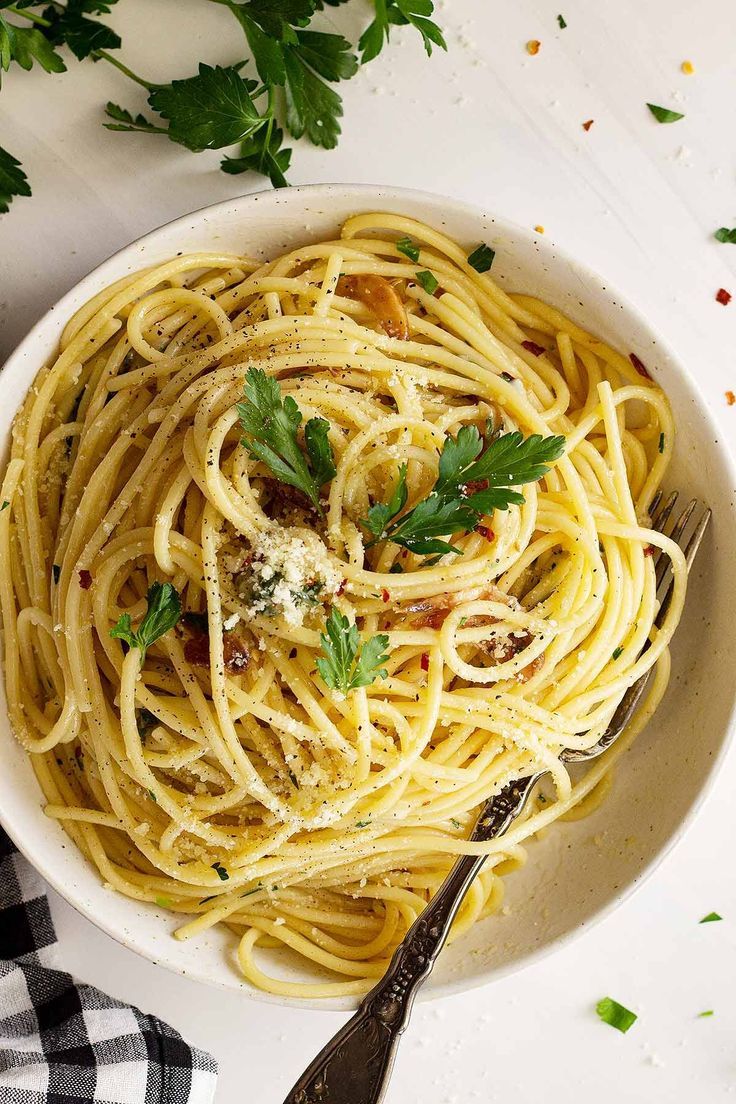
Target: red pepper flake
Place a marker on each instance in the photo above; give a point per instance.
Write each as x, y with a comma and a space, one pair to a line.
85, 579
723, 296
639, 365
485, 532
532, 46
730, 398
341, 589
649, 550
424, 661
533, 348
588, 125
385, 596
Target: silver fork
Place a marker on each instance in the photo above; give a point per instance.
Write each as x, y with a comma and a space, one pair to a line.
356, 1064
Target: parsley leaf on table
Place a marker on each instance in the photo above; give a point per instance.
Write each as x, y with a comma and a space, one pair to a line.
664, 114
124, 120
70, 26
164, 611
24, 45
262, 154
210, 110
271, 423
726, 235
13, 181
509, 461
346, 664
400, 13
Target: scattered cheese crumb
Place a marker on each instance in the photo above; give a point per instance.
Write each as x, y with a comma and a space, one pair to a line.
231, 622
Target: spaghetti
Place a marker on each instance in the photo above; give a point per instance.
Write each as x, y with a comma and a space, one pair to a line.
215, 773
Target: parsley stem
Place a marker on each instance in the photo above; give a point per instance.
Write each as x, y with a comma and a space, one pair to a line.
104, 56
39, 19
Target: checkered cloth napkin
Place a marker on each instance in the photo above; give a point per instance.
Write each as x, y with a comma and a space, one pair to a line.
64, 1042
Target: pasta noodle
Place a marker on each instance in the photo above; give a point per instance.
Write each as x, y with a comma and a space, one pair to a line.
221, 778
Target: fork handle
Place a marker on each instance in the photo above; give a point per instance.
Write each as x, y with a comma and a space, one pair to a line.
355, 1066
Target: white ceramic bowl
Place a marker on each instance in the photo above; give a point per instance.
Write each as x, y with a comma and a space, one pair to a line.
581, 870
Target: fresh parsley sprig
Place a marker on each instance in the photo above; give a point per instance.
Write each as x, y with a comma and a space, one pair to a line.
345, 663
218, 106
164, 611
271, 424
510, 460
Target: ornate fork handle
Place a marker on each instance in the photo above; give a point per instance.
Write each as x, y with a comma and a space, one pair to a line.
355, 1065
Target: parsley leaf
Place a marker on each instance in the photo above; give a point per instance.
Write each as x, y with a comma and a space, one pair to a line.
345, 663
311, 107
481, 258
124, 120
428, 281
408, 248
383, 512
400, 13
271, 423
13, 181
262, 152
210, 110
710, 918
726, 235
613, 1013
24, 45
221, 872
510, 460
164, 611
664, 114
83, 36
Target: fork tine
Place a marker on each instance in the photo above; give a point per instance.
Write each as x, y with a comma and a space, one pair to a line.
660, 518
694, 543
690, 549
654, 504
676, 535
659, 521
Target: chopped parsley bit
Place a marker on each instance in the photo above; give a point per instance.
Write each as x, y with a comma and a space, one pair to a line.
408, 248
164, 611
702, 1015
617, 652
461, 622
481, 258
345, 663
206, 900
510, 460
429, 282
661, 442
164, 902
56, 572
362, 823
561, 22
664, 114
396, 569
6, 503
222, 873
710, 918
153, 797
726, 235
455, 823
271, 424
614, 1014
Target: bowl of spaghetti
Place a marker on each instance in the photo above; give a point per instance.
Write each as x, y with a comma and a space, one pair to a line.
325, 514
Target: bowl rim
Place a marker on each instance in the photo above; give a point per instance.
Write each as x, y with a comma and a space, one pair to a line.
96, 279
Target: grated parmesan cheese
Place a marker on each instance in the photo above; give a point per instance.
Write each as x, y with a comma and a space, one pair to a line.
285, 563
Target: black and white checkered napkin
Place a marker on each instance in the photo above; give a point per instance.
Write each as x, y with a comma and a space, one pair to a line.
64, 1042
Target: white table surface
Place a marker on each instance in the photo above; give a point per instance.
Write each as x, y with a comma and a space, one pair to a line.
637, 201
